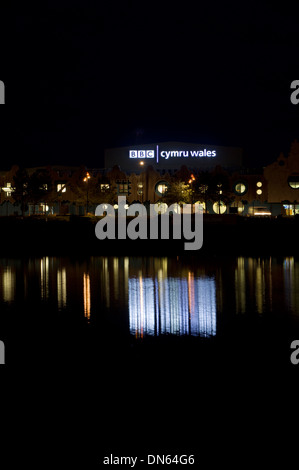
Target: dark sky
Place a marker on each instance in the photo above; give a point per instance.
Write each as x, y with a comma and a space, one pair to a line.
81, 76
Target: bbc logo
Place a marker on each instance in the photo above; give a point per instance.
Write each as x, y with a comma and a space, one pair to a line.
142, 154
2, 101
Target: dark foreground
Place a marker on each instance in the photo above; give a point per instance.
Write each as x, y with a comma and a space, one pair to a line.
101, 392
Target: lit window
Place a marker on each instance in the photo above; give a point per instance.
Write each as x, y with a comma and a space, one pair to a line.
123, 187
105, 187
198, 203
161, 188
240, 188
161, 207
259, 192
236, 207
219, 207
61, 187
259, 184
293, 181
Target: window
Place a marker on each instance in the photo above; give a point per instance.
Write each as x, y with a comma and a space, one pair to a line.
293, 181
219, 207
122, 188
240, 188
105, 187
8, 189
161, 207
236, 207
161, 188
203, 204
61, 187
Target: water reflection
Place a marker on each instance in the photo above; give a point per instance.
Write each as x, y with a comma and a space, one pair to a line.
154, 296
61, 287
253, 284
44, 277
172, 305
8, 284
86, 294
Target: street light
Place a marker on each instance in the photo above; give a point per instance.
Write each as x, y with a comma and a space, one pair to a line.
87, 177
142, 190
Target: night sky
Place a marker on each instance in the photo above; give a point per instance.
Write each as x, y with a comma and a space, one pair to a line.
81, 76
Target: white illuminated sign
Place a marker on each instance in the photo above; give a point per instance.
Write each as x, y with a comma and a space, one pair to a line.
142, 154
166, 154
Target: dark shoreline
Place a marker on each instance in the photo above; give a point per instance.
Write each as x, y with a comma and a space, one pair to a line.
223, 235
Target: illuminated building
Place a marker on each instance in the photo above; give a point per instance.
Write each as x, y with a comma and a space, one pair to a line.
145, 173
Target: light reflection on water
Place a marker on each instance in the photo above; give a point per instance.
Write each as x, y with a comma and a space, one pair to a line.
154, 296
173, 305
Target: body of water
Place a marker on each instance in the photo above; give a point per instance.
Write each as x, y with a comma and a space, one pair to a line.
136, 298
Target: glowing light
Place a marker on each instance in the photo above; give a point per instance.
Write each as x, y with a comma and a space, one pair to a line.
262, 213
44, 277
169, 305
61, 188
161, 207
219, 207
61, 288
8, 284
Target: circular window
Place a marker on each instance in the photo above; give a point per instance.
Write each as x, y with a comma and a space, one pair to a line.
197, 205
219, 207
240, 188
161, 207
161, 188
238, 207
259, 184
293, 181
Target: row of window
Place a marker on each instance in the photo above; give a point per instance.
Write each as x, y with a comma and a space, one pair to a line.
240, 188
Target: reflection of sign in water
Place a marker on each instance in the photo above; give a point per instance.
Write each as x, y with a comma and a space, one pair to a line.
178, 306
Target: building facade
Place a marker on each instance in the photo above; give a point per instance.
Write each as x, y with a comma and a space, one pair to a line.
226, 188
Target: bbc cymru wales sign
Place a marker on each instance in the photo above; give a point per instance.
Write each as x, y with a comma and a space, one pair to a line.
166, 154
142, 154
